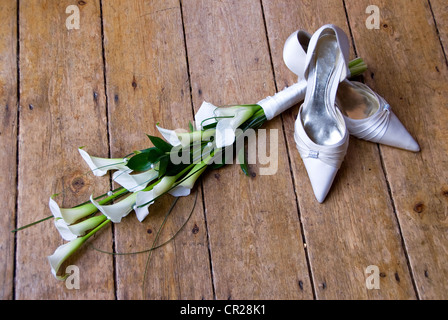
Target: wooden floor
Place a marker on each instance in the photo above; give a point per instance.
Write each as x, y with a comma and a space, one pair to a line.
133, 63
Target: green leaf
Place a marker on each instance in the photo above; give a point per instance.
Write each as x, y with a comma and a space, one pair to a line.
190, 125
216, 166
163, 165
139, 162
145, 150
154, 155
242, 159
143, 160
173, 170
160, 144
210, 126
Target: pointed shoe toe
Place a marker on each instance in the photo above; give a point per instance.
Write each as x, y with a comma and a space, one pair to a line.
321, 176
382, 126
322, 162
396, 135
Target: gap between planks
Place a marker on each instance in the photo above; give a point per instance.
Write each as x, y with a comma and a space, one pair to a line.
17, 149
109, 151
438, 32
302, 230
386, 178
200, 184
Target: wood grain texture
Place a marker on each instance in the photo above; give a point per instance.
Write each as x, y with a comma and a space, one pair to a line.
147, 83
134, 63
62, 108
8, 142
254, 231
439, 9
409, 69
356, 226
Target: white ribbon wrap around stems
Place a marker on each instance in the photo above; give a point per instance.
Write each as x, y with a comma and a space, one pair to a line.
282, 101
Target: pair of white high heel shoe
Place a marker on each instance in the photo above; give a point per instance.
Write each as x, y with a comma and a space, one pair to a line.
335, 107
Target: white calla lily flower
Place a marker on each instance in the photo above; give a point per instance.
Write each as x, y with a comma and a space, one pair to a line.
80, 229
205, 115
71, 232
229, 119
170, 135
146, 198
62, 253
116, 212
184, 188
100, 166
71, 215
64, 230
134, 182
184, 139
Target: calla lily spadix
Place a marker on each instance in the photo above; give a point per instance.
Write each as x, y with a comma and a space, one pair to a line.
100, 166
134, 182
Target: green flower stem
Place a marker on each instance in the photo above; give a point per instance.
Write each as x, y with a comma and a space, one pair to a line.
32, 224
180, 174
88, 224
100, 196
357, 67
78, 242
120, 192
93, 231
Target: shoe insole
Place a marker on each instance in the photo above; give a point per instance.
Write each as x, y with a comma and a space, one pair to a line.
355, 101
318, 116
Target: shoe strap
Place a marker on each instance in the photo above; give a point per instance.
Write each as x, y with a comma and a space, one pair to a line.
344, 47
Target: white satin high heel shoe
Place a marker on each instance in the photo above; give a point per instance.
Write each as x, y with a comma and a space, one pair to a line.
320, 131
368, 116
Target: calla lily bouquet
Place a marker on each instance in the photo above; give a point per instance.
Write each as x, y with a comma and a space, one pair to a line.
172, 165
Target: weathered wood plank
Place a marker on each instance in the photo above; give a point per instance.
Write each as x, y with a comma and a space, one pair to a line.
409, 68
254, 231
147, 83
62, 108
356, 226
8, 142
440, 12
